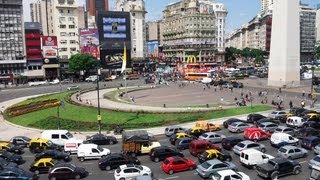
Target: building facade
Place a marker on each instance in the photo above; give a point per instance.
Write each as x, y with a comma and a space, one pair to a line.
318, 24
307, 32
265, 5
92, 7
35, 12
138, 26
221, 15
153, 31
189, 30
12, 51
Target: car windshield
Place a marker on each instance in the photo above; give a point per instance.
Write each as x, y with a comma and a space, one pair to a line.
317, 158
278, 130
272, 163
283, 150
100, 148
26, 138
205, 165
241, 145
69, 135
139, 167
204, 135
166, 162
216, 176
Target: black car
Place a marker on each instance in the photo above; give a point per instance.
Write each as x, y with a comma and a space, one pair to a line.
305, 132
251, 118
55, 154
267, 120
310, 142
195, 132
162, 152
67, 171
228, 142
296, 110
278, 167
183, 143
305, 112
10, 157
13, 148
230, 121
113, 161
22, 141
220, 155
4, 164
17, 173
101, 139
313, 124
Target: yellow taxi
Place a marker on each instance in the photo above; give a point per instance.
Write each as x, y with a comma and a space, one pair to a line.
196, 131
37, 145
312, 116
214, 154
177, 136
11, 148
43, 165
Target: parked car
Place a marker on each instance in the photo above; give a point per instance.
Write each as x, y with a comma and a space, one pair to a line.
183, 143
307, 111
43, 165
282, 139
207, 168
67, 171
101, 139
72, 87
292, 152
54, 154
285, 129
199, 146
238, 127
177, 136
251, 118
295, 121
212, 137
114, 160
11, 157
305, 132
283, 117
230, 141
11, 148
169, 131
91, 151
229, 174
278, 167
177, 164
268, 126
22, 141
317, 149
311, 117
275, 114
17, 173
230, 121
247, 145
214, 154
195, 131
310, 142
160, 153
312, 124
265, 120
251, 157
4, 163
130, 171
315, 161
296, 110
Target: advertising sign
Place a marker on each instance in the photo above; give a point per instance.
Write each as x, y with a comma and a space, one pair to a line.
89, 42
152, 49
206, 8
114, 28
49, 46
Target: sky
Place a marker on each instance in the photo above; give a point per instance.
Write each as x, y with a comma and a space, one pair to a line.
239, 11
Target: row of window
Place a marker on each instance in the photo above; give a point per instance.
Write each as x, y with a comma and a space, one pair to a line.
64, 49
63, 26
67, 34
70, 41
14, 71
64, 19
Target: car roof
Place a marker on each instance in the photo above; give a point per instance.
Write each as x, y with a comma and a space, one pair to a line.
279, 160
289, 147
225, 172
44, 159
267, 123
212, 151
311, 137
247, 142
214, 161
284, 127
210, 133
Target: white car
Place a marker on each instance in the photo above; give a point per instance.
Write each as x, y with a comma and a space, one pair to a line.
229, 174
131, 171
212, 137
55, 81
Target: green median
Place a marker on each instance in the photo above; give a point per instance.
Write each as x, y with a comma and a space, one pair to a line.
82, 118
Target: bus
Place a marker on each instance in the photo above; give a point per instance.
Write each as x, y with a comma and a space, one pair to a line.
249, 70
196, 76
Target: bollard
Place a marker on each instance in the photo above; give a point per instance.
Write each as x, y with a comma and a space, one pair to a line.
207, 105
164, 105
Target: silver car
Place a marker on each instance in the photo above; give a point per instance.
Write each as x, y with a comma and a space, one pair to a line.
292, 152
212, 137
173, 130
238, 127
268, 126
206, 169
285, 129
247, 145
275, 114
317, 149
315, 161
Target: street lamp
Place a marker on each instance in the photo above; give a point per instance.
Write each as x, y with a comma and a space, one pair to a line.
98, 94
312, 75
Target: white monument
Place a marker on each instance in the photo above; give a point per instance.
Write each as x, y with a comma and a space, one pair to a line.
284, 62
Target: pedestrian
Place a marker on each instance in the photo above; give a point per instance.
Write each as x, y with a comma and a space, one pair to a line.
290, 104
231, 88
215, 89
303, 103
303, 93
204, 87
280, 90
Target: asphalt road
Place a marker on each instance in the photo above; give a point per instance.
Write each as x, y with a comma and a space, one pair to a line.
96, 174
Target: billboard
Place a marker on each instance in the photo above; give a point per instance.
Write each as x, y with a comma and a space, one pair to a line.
152, 49
206, 8
49, 47
89, 42
114, 29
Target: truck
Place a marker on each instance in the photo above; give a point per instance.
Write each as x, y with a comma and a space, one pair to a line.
204, 124
138, 142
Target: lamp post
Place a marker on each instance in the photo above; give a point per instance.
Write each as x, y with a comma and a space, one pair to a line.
312, 75
98, 94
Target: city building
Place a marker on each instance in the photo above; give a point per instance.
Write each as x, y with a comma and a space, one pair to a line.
265, 5
137, 11
92, 7
318, 24
153, 31
307, 32
35, 12
33, 51
253, 29
81, 14
12, 51
221, 15
190, 32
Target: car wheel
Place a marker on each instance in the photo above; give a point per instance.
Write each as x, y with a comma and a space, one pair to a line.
263, 150
36, 172
53, 178
305, 155
156, 159
77, 176
274, 175
297, 170
81, 159
170, 171
122, 179
289, 157
238, 131
111, 142
191, 168
108, 168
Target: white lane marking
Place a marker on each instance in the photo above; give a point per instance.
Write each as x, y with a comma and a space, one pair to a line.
195, 173
173, 177
110, 172
302, 162
28, 156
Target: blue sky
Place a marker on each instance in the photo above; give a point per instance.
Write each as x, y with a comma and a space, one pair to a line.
240, 11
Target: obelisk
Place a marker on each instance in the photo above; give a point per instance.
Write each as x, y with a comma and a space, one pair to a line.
284, 62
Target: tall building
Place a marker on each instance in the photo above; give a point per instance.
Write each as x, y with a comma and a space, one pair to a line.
12, 52
265, 4
80, 13
221, 15
138, 26
318, 24
307, 32
153, 31
92, 7
35, 12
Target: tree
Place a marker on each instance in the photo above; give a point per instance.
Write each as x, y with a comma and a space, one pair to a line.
231, 54
82, 62
246, 52
317, 53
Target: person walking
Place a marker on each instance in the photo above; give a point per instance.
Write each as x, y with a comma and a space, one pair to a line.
290, 104
303, 104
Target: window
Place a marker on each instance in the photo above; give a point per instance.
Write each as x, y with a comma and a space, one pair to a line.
41, 164
63, 26
94, 150
72, 34
64, 136
72, 41
63, 34
55, 136
71, 26
60, 10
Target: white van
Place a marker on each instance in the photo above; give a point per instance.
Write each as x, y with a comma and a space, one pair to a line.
91, 151
71, 146
92, 78
252, 157
295, 121
282, 139
58, 137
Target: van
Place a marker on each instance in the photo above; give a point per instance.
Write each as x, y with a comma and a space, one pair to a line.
255, 134
71, 146
199, 146
281, 139
58, 137
295, 121
91, 151
252, 157
92, 78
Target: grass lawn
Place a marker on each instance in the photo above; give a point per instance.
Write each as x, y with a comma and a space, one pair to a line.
75, 117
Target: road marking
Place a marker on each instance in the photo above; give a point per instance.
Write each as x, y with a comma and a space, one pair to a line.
195, 173
28, 156
173, 177
302, 162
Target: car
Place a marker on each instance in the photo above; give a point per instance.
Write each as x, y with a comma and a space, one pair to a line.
160, 153
22, 141
43, 165
230, 141
11, 157
195, 131
4, 163
197, 147
54, 154
256, 134
282, 139
37, 145
183, 143
114, 160
292, 152
214, 154
67, 171
264, 120
317, 149
230, 121
251, 157
313, 124
101, 139
285, 129
315, 161
310, 142
207, 168
55, 81
169, 131
238, 127
130, 171
11, 148
307, 111
111, 78
177, 164
296, 110
275, 114
73, 87
305, 132
247, 145
17, 173
251, 118
283, 117
229, 174
278, 167
177, 136
295, 121
311, 117
212, 137
268, 126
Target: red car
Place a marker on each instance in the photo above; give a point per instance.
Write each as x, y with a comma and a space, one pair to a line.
176, 164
